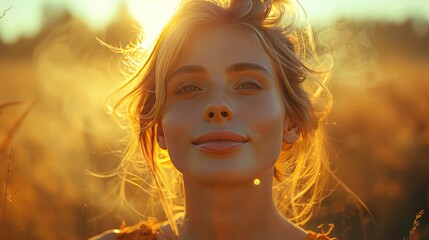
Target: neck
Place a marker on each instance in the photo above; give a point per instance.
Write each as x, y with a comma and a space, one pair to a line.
239, 211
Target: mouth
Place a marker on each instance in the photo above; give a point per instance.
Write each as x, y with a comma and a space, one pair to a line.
220, 142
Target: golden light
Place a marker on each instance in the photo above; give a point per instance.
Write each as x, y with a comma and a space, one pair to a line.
152, 15
256, 181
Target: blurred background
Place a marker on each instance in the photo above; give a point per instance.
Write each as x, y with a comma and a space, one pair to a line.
55, 76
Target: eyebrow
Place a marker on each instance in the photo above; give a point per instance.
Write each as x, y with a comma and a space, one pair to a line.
188, 69
238, 67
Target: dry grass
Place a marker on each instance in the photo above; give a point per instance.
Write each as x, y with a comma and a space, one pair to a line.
7, 140
5, 12
416, 223
3, 146
6, 192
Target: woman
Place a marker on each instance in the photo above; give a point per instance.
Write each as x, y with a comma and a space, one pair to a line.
226, 97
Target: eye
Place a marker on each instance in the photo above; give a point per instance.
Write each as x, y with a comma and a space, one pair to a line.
249, 84
187, 89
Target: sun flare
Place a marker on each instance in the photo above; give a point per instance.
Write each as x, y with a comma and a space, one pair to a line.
151, 15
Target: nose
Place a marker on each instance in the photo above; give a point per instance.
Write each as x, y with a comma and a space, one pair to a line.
218, 111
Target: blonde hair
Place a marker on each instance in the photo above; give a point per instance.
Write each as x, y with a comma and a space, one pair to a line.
302, 169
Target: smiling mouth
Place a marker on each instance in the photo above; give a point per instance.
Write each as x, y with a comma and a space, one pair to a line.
220, 146
220, 142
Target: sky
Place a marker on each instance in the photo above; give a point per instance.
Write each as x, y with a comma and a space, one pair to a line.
26, 18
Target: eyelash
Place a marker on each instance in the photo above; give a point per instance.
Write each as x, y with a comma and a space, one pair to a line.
254, 83
182, 89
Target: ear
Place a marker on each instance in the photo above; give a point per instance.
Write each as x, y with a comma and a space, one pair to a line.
290, 131
160, 138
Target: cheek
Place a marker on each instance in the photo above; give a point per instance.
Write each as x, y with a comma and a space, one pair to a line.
177, 120
177, 123
266, 121
266, 113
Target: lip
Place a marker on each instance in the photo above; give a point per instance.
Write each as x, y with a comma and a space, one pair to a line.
220, 142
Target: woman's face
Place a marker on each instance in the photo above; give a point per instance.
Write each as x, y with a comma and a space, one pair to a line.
224, 116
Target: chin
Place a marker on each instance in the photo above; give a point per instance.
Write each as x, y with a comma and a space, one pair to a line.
225, 174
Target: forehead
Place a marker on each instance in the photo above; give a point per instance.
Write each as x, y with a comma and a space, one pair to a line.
217, 47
